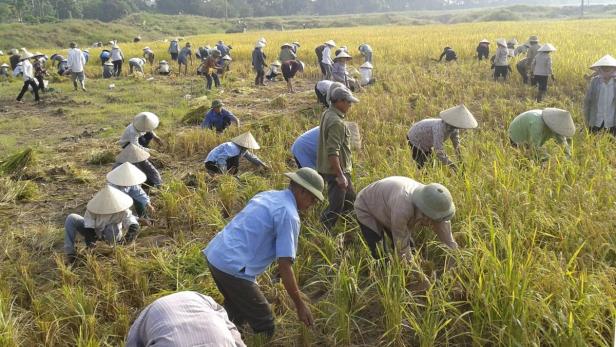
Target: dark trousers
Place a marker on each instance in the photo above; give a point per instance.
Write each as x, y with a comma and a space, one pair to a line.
522, 71
272, 76
41, 83
596, 130
117, 67
372, 239
340, 200
212, 77
322, 98
541, 82
501, 71
260, 76
24, 89
322, 66
233, 164
244, 302
420, 157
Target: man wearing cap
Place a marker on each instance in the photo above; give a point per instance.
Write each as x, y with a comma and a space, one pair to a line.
600, 101
108, 217
483, 50
533, 47
326, 59
286, 53
76, 62
127, 178
366, 51
397, 206
541, 69
117, 58
28, 76
501, 60
184, 319
136, 64
258, 63
533, 128
219, 118
334, 160
267, 229
430, 134
304, 149
138, 156
183, 58
289, 69
222, 48
226, 156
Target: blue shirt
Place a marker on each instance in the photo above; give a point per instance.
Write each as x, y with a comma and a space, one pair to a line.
86, 56
265, 230
223, 49
135, 192
219, 121
224, 151
304, 148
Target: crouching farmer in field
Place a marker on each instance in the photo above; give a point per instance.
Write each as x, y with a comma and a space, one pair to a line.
600, 101
226, 157
267, 229
184, 319
127, 178
163, 68
136, 64
108, 69
533, 128
4, 72
138, 156
108, 217
305, 148
219, 118
397, 206
140, 133
430, 134
321, 89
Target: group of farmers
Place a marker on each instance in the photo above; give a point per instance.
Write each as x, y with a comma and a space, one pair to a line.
387, 211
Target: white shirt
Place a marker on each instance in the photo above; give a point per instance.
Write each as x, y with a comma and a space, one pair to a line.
136, 61
326, 58
132, 135
501, 57
27, 70
542, 65
366, 76
114, 224
76, 61
163, 68
606, 111
116, 54
323, 86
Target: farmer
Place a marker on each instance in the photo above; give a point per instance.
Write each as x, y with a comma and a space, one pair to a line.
218, 118
39, 70
533, 128
174, 49
326, 60
398, 206
56, 59
127, 178
304, 149
223, 49
449, 54
4, 72
107, 69
600, 101
341, 74
136, 64
117, 58
521, 66
521, 49
366, 51
28, 76
226, 157
184, 319
148, 54
108, 217
183, 58
223, 65
76, 63
163, 68
86, 55
501, 60
533, 47
258, 63
430, 134
209, 69
483, 50
267, 229
14, 58
274, 71
104, 56
295, 46
344, 49
541, 69
286, 53
138, 156
141, 131
365, 72
321, 89
289, 70
511, 45
334, 160
63, 68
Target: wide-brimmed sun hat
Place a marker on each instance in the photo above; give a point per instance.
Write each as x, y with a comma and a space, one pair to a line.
286, 44
343, 55
343, 93
161, 62
246, 140
485, 41
126, 175
263, 40
330, 43
145, 121
146, 48
4, 65
459, 117
259, 44
606, 61
559, 121
366, 65
501, 42
27, 55
533, 38
109, 200
132, 154
217, 103
548, 47
435, 201
227, 57
115, 46
108, 63
296, 43
310, 180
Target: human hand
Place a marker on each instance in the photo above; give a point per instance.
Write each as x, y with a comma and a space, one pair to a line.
304, 314
342, 182
151, 208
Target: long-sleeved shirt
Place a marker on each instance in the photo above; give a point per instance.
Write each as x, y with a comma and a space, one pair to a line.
339, 72
258, 59
529, 128
326, 56
132, 135
116, 54
431, 133
387, 205
304, 148
502, 56
218, 120
449, 55
532, 52
76, 61
542, 65
115, 224
135, 192
184, 319
27, 70
334, 140
223, 49
286, 54
221, 153
600, 103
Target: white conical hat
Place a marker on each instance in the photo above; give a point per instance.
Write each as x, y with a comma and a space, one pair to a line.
276, 63
501, 42
259, 44
108, 63
4, 65
366, 65
343, 54
459, 117
246, 140
227, 57
607, 60
559, 121
484, 41
126, 175
132, 154
330, 43
109, 200
548, 47
145, 121
26, 55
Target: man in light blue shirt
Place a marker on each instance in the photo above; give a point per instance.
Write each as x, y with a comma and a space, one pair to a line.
304, 149
226, 156
267, 229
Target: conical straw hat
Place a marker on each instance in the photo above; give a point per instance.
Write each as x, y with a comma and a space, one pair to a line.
366, 65
548, 47
484, 41
607, 61
145, 121
559, 121
132, 154
246, 140
108, 201
342, 55
330, 43
501, 42
126, 175
459, 117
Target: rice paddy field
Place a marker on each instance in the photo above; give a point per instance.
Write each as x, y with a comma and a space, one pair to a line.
537, 263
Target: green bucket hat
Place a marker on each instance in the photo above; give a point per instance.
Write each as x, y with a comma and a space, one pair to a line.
435, 201
217, 103
310, 180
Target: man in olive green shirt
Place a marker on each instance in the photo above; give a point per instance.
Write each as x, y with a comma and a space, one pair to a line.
334, 157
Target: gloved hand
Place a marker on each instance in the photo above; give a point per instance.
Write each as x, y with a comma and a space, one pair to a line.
90, 236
